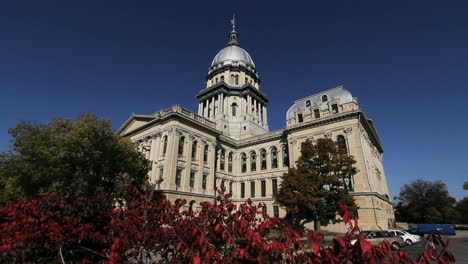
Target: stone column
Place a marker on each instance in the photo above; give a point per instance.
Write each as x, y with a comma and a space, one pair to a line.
254, 108
205, 108
212, 107
259, 112
265, 120
211, 177
200, 105
249, 105
222, 104
154, 156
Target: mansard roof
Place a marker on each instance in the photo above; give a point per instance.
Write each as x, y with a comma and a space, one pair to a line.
339, 94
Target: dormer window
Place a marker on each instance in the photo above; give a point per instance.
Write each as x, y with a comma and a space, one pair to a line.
335, 108
324, 98
308, 103
300, 118
316, 113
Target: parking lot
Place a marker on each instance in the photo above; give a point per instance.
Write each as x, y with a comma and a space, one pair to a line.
459, 247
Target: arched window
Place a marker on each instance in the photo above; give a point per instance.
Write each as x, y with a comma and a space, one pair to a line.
308, 103
246, 80
181, 145
243, 162
285, 156
253, 161
263, 161
205, 154
274, 158
216, 80
230, 162
232, 79
324, 98
223, 160
164, 145
222, 78
236, 80
234, 109
341, 141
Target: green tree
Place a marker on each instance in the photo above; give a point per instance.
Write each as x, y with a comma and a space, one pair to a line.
310, 191
80, 157
462, 207
424, 202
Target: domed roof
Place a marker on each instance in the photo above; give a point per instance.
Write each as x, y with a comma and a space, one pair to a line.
231, 55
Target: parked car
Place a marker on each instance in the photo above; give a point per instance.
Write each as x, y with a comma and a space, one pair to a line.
377, 237
429, 228
407, 237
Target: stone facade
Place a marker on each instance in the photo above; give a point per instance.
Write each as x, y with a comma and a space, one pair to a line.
228, 142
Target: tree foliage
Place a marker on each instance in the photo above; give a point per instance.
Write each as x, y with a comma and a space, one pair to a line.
67, 229
426, 202
81, 157
310, 191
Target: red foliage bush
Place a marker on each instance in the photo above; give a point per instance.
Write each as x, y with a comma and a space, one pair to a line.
64, 229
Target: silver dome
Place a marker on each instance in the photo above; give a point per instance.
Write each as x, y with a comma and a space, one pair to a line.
232, 55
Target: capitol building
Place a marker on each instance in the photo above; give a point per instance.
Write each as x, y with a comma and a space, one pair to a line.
228, 141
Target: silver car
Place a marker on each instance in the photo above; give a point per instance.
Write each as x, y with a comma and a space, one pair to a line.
407, 237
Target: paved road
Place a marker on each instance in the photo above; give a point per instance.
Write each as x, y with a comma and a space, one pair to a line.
459, 247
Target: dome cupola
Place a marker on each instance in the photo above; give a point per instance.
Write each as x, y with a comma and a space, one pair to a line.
232, 96
232, 59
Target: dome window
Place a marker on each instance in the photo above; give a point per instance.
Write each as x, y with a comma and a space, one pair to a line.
222, 78
324, 98
308, 103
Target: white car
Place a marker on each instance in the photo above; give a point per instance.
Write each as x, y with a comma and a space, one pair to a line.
407, 237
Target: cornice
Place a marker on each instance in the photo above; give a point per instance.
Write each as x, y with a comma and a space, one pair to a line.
376, 194
177, 112
322, 121
223, 87
189, 193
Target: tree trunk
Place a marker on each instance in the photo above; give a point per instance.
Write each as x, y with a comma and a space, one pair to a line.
316, 223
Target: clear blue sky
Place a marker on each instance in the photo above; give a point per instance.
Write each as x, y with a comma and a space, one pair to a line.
406, 61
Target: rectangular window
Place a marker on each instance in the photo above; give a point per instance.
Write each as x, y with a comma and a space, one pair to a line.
335, 108
263, 185
205, 179
274, 182
178, 178
264, 211
317, 113
276, 211
242, 190
161, 172
252, 189
192, 179
300, 118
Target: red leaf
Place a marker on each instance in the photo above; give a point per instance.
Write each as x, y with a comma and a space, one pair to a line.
179, 246
366, 246
340, 241
316, 248
196, 260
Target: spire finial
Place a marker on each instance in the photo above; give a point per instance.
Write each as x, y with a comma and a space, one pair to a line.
233, 36
233, 22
